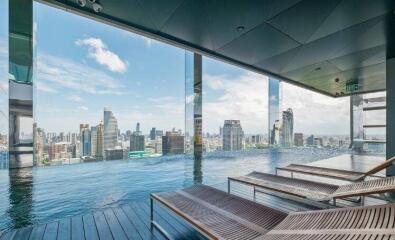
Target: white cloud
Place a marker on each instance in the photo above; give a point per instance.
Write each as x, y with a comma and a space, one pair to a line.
41, 86
84, 108
99, 51
315, 113
240, 97
74, 98
64, 73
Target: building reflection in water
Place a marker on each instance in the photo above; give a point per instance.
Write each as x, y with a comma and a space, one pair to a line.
21, 197
197, 169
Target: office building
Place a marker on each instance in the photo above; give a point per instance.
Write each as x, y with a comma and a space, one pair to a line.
100, 141
172, 143
298, 139
110, 130
115, 154
137, 142
93, 141
152, 134
232, 135
310, 140
86, 141
287, 128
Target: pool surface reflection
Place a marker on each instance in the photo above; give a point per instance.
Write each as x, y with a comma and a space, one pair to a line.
44, 194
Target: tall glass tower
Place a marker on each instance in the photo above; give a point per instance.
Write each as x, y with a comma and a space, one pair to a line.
110, 130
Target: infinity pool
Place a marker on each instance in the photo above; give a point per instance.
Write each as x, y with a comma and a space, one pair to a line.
45, 194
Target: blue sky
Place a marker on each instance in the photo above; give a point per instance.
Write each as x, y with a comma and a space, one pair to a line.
84, 66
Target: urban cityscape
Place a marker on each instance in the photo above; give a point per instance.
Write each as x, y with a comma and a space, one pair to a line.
105, 141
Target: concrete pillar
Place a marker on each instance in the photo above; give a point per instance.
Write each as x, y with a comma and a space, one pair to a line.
390, 86
390, 138
193, 112
20, 83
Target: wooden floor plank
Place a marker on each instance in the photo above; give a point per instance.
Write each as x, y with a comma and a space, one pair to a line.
90, 229
51, 231
171, 225
115, 227
64, 230
23, 233
8, 235
143, 230
179, 224
127, 225
37, 232
77, 228
145, 219
102, 227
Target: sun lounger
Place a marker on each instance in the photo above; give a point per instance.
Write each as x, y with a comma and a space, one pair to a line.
314, 190
352, 176
219, 215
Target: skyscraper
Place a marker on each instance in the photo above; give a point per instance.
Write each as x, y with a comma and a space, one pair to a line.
86, 141
152, 134
137, 143
138, 132
232, 135
79, 144
298, 139
110, 130
93, 141
310, 140
287, 130
100, 141
172, 143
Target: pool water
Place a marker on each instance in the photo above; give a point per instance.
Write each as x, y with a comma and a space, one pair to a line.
44, 194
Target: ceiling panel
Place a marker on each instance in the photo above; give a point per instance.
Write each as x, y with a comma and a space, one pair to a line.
260, 43
289, 21
306, 42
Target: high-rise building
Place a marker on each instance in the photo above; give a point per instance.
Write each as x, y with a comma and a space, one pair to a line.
79, 144
275, 133
172, 143
93, 141
232, 135
287, 128
86, 141
298, 139
100, 141
110, 130
138, 131
152, 134
310, 140
318, 141
137, 143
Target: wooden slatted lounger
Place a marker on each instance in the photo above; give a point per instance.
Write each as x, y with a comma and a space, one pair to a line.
315, 191
219, 215
352, 176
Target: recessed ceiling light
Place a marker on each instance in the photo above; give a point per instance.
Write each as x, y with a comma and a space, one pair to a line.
337, 79
240, 28
82, 3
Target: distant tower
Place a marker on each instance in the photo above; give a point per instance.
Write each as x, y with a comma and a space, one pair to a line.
232, 135
138, 132
287, 130
152, 134
100, 141
93, 141
110, 130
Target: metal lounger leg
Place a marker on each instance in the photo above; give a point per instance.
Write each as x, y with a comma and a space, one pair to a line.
254, 193
334, 201
228, 186
154, 224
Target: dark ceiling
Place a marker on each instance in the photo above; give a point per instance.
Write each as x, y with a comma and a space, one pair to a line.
336, 47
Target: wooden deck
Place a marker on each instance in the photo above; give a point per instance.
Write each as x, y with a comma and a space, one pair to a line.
131, 221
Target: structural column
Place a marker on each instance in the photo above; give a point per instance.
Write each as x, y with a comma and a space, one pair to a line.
20, 83
193, 112
274, 111
390, 138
